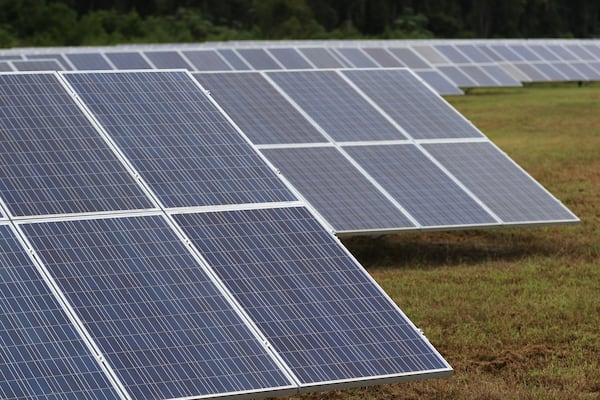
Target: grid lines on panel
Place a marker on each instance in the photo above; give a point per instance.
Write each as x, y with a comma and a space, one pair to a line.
259, 109
315, 305
42, 355
128, 60
508, 191
429, 195
53, 160
290, 58
259, 59
335, 106
421, 113
206, 60
179, 142
159, 321
88, 61
339, 192
438, 82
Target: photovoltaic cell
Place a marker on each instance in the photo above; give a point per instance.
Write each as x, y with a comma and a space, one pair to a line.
5, 66
500, 75
439, 83
506, 52
290, 58
563, 53
457, 76
259, 109
491, 53
452, 54
339, 192
423, 189
206, 60
580, 52
531, 71
430, 54
233, 59
408, 57
328, 99
317, 307
88, 61
524, 52
179, 142
356, 57
37, 65
128, 60
42, 356
53, 161
543, 52
51, 56
479, 75
508, 191
550, 71
474, 53
167, 59
588, 73
321, 57
568, 71
382, 57
157, 318
420, 112
259, 59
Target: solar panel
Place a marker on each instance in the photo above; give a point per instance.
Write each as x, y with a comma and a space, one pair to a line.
259, 59
337, 190
290, 58
167, 59
457, 76
430, 54
259, 109
550, 71
593, 50
179, 142
587, 72
321, 57
491, 53
479, 75
568, 71
409, 57
88, 61
206, 60
329, 100
452, 54
233, 59
439, 83
561, 52
474, 52
128, 60
543, 52
506, 189
423, 189
500, 75
506, 52
318, 308
51, 56
420, 112
580, 52
5, 66
524, 52
156, 316
382, 57
356, 57
42, 356
7, 57
531, 71
37, 65
53, 160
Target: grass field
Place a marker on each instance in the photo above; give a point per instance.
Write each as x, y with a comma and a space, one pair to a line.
516, 312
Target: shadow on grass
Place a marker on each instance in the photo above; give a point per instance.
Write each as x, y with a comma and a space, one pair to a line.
434, 249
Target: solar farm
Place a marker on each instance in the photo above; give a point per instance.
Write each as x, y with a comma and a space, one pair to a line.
265, 219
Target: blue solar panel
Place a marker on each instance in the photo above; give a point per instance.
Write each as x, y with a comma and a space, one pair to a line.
290, 58
457, 76
53, 161
233, 59
88, 61
568, 71
409, 58
474, 53
259, 59
506, 189
452, 54
525, 52
579, 51
207, 60
321, 57
383, 57
128, 60
500, 75
491, 53
506, 52
561, 52
161, 324
51, 56
259, 109
439, 83
5, 66
531, 71
335, 106
337, 190
42, 356
422, 113
543, 52
550, 71
426, 192
317, 307
37, 65
183, 147
356, 57
479, 75
167, 59
430, 54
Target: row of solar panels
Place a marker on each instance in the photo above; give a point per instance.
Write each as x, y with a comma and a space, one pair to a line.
148, 251
445, 65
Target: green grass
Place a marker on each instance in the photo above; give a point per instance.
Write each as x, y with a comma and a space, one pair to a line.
516, 311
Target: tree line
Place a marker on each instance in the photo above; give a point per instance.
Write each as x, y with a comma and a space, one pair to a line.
102, 22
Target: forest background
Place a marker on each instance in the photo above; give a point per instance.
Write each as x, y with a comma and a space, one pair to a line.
105, 22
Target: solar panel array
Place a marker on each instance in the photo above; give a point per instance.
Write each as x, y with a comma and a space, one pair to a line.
187, 278
446, 65
367, 149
